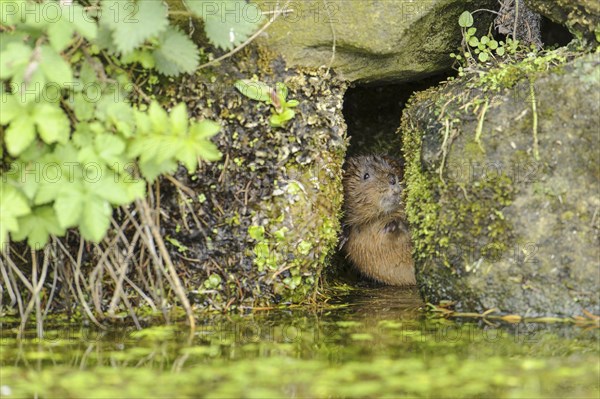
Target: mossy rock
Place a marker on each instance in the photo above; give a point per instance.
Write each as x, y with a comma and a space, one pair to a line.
494, 226
255, 229
582, 17
375, 41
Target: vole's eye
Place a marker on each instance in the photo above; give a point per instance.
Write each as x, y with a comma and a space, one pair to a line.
366, 176
392, 180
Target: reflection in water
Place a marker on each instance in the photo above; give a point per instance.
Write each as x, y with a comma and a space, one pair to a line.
372, 342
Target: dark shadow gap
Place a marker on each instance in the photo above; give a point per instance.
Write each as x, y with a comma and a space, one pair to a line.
372, 114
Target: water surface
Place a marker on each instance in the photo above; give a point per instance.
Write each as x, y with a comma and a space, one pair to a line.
373, 343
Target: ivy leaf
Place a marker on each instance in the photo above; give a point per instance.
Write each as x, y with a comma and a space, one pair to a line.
54, 67
52, 123
258, 91
466, 19
37, 226
132, 23
176, 54
14, 205
228, 23
19, 134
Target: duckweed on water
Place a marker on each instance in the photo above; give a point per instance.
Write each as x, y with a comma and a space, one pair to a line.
377, 347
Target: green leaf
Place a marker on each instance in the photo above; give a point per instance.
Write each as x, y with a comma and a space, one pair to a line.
143, 57
37, 226
282, 90
255, 90
11, 108
83, 108
60, 34
84, 24
52, 123
120, 115
292, 103
110, 148
14, 59
500, 51
95, 219
179, 120
176, 54
14, 205
224, 28
466, 19
158, 117
112, 187
256, 232
54, 67
198, 145
133, 23
493, 44
61, 167
142, 122
483, 56
276, 120
471, 31
205, 129
151, 169
87, 74
473, 42
188, 155
69, 204
19, 134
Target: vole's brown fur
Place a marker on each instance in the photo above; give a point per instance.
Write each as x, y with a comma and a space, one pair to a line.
376, 239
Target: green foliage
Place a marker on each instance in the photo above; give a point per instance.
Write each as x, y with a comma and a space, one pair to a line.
282, 108
481, 50
73, 146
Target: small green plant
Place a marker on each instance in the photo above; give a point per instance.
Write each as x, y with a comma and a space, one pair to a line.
277, 97
480, 49
73, 144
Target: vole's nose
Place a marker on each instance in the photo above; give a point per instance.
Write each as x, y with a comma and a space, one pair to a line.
392, 180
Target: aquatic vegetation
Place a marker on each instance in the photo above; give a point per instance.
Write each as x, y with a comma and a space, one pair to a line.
361, 351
